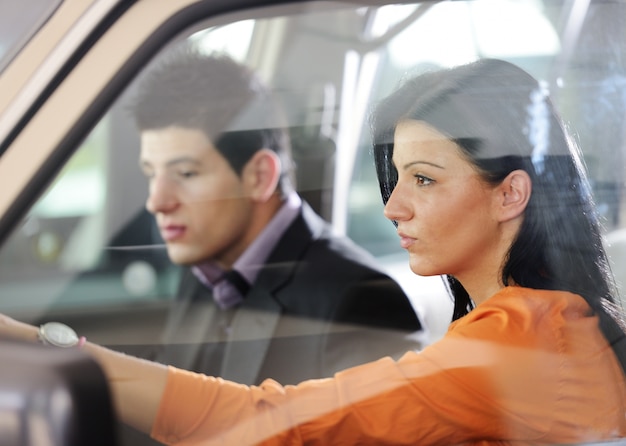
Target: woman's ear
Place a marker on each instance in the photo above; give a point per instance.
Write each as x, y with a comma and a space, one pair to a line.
513, 195
261, 174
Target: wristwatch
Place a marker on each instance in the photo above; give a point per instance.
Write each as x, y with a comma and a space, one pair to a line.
57, 334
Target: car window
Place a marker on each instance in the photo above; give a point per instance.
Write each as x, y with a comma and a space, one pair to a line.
19, 23
89, 252
81, 230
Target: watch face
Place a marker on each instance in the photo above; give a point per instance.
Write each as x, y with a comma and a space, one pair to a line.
58, 334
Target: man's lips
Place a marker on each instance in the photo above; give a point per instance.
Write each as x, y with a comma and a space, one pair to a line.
172, 232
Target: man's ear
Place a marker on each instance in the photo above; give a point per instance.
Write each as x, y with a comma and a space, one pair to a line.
513, 195
261, 174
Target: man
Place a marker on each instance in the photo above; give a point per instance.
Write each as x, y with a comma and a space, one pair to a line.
268, 290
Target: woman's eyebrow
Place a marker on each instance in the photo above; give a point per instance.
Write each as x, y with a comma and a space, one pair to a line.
428, 163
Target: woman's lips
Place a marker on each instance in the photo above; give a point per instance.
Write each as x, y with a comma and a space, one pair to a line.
406, 241
172, 232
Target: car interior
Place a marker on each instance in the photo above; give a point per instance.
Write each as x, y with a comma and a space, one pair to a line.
80, 247
53, 397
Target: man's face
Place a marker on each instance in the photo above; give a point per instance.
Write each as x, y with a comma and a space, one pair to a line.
200, 204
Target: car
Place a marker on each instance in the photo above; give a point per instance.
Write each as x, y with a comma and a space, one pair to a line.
76, 243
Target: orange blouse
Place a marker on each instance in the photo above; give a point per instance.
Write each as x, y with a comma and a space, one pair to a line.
526, 365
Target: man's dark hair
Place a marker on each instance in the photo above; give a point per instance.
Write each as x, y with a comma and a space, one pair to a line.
219, 96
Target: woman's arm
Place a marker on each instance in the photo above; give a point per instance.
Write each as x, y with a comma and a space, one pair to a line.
137, 385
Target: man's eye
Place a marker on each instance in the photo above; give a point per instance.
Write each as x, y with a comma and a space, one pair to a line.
423, 180
187, 173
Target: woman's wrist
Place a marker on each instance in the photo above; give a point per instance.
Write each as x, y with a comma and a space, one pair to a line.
14, 329
18, 330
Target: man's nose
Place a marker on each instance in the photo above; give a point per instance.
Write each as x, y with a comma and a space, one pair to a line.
161, 196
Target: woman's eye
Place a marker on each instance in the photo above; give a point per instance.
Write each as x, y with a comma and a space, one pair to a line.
423, 180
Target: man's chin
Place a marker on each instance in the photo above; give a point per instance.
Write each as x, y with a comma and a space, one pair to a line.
183, 259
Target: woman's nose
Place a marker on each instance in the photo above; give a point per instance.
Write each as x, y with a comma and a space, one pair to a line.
396, 208
161, 196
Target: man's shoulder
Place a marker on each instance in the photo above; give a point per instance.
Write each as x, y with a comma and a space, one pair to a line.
325, 242
343, 250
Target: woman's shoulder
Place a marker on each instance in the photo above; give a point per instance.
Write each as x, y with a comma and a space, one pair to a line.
523, 315
534, 303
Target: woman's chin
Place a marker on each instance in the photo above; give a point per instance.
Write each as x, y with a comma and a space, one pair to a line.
423, 270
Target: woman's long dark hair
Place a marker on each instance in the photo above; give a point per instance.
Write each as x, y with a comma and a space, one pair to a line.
502, 118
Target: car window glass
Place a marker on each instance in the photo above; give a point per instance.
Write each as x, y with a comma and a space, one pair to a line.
88, 241
18, 22
89, 249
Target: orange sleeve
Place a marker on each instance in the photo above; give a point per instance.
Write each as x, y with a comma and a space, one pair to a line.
494, 375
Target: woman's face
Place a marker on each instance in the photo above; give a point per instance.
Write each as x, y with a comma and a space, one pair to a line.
444, 211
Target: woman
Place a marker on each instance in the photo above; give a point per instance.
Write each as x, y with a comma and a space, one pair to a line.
482, 183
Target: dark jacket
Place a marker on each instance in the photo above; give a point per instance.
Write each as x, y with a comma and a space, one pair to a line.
320, 304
